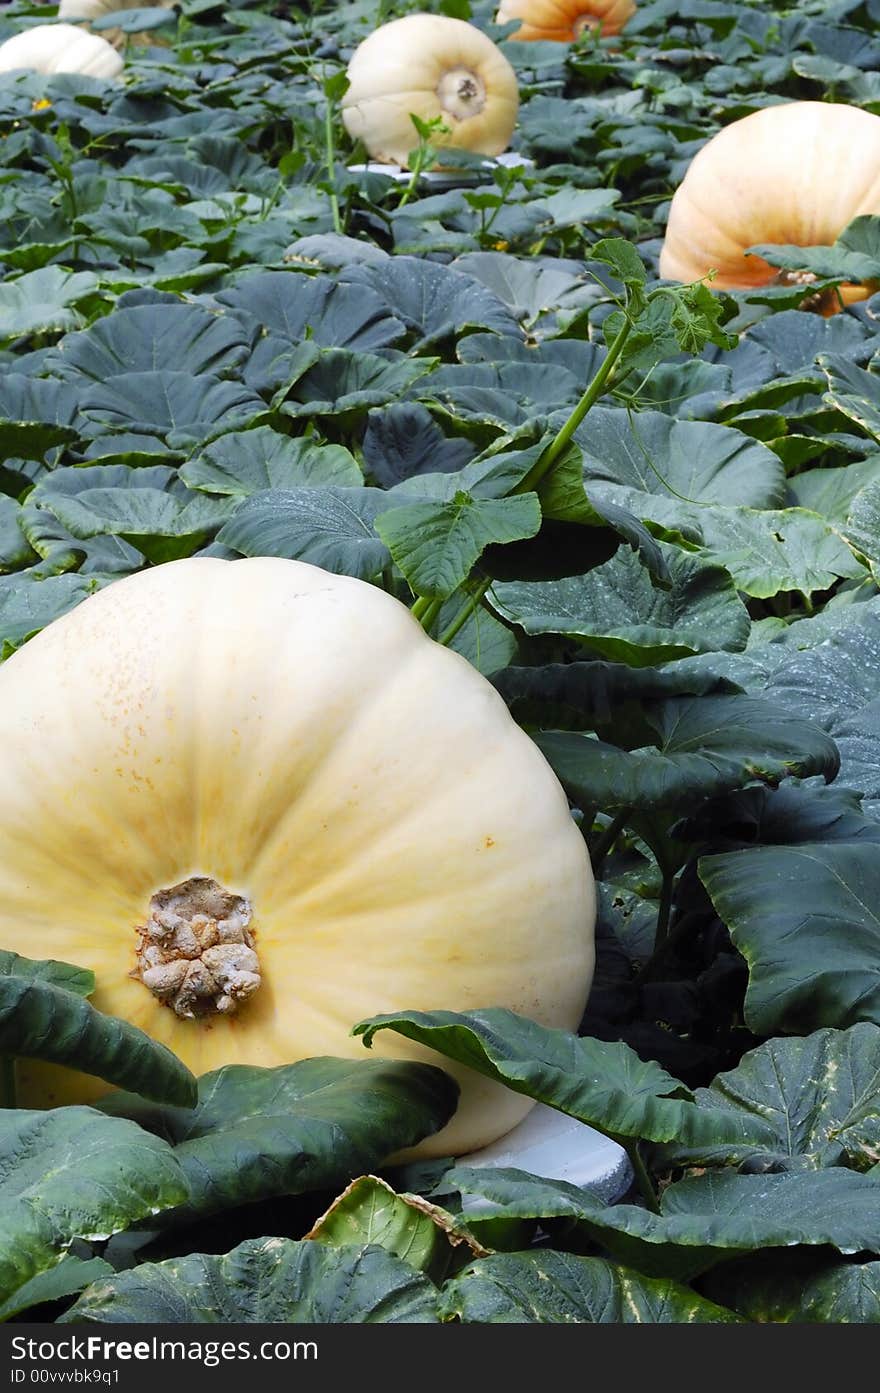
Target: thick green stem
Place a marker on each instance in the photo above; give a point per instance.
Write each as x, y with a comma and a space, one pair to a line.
665, 909
419, 607
412, 184
607, 837
7, 1081
465, 613
590, 397
640, 1170
426, 611
331, 165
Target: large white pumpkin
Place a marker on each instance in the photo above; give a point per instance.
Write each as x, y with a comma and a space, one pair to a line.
284, 752
430, 66
60, 48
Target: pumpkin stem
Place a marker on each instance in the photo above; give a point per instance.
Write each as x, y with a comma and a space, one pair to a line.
196, 952
585, 21
461, 94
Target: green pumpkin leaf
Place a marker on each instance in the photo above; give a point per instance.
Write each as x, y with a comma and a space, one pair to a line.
252, 461
71, 1173
703, 1219
329, 526
414, 1230
436, 545
820, 1093
257, 1133
617, 612
703, 746
805, 919
264, 1280
69, 1277
779, 1293
44, 300
603, 1083
44, 1015
547, 1287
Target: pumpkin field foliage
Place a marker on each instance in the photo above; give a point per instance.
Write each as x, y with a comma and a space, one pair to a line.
223, 333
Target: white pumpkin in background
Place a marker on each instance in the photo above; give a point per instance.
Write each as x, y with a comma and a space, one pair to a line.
260, 804
88, 10
430, 66
60, 48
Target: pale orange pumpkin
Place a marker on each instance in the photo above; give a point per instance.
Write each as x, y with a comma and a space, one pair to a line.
563, 21
792, 174
260, 805
429, 66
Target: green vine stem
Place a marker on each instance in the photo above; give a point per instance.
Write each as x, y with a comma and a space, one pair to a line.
425, 611
640, 1171
598, 385
665, 910
330, 149
607, 837
465, 612
7, 1081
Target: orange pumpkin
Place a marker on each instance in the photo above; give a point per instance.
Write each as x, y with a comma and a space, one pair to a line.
793, 174
565, 20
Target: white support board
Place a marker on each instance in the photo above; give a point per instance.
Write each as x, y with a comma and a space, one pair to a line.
557, 1147
445, 178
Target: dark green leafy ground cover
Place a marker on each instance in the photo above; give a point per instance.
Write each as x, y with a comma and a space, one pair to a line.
217, 338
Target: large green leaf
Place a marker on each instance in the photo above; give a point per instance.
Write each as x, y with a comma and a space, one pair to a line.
766, 551
435, 302
403, 440
595, 695
414, 1230
35, 415
820, 1094
70, 1276
264, 1280
332, 314
15, 550
861, 527
160, 334
29, 602
330, 527
185, 408
688, 461
43, 300
853, 391
547, 1287
146, 507
79, 980
528, 287
703, 1219
807, 920
251, 461
257, 1133
435, 545
827, 1293
702, 746
829, 672
616, 611
503, 394
344, 381
71, 1173
41, 1017
603, 1083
